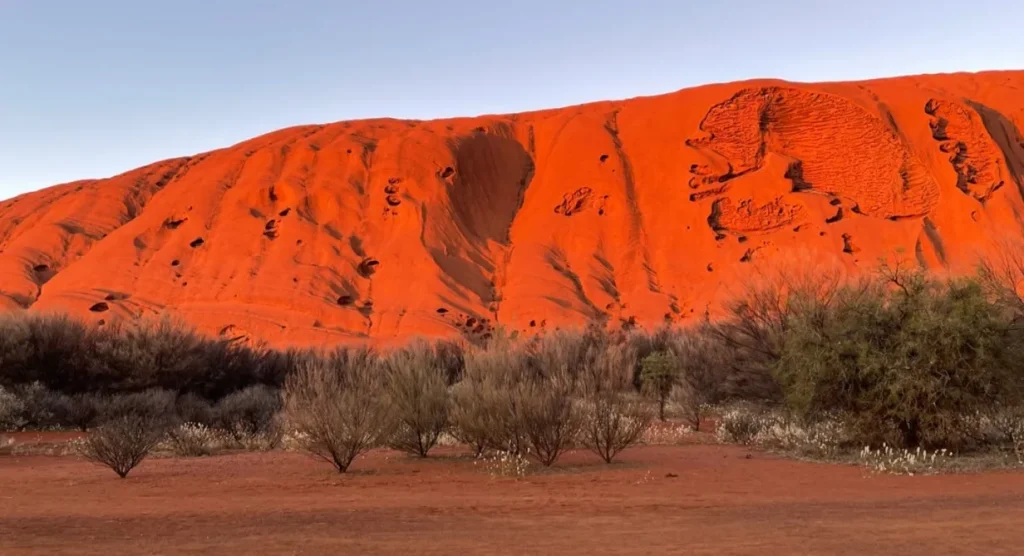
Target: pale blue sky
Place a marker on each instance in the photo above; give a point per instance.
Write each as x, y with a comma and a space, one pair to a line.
94, 88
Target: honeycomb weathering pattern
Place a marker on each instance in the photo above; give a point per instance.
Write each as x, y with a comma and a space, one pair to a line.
636, 211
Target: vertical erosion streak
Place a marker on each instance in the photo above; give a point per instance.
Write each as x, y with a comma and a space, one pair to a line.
637, 234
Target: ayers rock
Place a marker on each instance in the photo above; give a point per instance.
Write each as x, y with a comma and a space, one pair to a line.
630, 211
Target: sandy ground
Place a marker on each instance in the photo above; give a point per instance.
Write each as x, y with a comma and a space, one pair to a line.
696, 499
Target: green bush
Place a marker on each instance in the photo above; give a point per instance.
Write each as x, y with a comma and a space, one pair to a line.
904, 360
659, 374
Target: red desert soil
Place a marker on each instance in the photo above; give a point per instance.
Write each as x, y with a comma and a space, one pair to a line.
718, 502
647, 209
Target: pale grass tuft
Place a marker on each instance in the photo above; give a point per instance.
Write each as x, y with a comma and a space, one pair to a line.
504, 464
900, 461
194, 440
666, 434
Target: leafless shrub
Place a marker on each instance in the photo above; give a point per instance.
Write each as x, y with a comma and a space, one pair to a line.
1001, 274
417, 395
611, 422
484, 408
124, 439
338, 408
547, 416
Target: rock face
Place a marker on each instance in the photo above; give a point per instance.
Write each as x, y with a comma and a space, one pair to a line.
633, 211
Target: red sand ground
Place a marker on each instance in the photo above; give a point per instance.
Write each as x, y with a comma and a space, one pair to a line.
719, 503
648, 209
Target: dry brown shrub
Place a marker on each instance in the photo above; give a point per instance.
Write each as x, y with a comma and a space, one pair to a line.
338, 408
417, 397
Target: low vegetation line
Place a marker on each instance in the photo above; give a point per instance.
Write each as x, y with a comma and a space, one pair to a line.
899, 371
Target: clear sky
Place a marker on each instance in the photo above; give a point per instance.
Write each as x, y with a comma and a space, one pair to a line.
94, 88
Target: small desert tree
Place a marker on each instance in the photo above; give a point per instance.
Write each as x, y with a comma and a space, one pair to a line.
484, 409
612, 422
418, 398
338, 408
132, 426
546, 414
658, 374
122, 442
612, 418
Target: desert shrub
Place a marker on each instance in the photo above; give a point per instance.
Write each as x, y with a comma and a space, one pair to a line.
191, 408
611, 422
69, 357
545, 413
742, 425
904, 361
34, 406
11, 410
471, 415
338, 409
759, 319
37, 406
156, 405
249, 416
591, 359
450, 357
484, 404
193, 440
129, 356
703, 364
53, 350
570, 353
123, 441
642, 344
659, 375
523, 399
80, 411
417, 395
132, 425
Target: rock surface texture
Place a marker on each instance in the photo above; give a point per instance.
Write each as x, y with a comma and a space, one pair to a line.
639, 211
